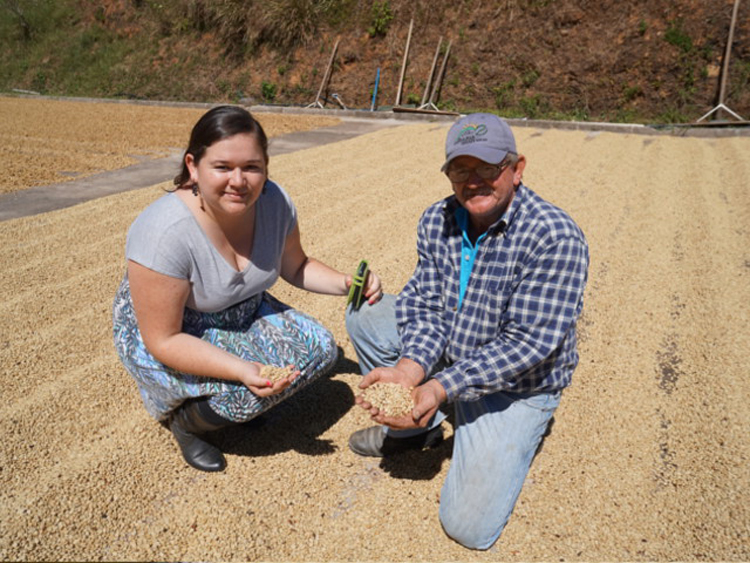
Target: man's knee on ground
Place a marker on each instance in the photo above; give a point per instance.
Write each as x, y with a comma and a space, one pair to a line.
472, 531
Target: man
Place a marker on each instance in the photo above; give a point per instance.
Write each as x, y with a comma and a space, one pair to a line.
487, 323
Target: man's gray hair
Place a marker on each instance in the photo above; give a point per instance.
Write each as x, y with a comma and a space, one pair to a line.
511, 159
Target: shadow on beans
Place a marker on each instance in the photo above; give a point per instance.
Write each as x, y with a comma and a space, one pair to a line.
296, 423
418, 465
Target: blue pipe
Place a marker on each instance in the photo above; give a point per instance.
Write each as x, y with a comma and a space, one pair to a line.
375, 91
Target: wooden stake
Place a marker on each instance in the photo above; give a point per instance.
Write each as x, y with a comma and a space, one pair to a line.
403, 64
727, 53
326, 77
439, 81
432, 73
725, 72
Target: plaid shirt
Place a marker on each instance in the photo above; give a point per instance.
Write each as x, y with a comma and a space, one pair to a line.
516, 327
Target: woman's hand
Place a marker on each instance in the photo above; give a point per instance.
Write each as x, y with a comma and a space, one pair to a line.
262, 387
373, 289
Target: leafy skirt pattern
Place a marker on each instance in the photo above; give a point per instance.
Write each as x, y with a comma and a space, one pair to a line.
260, 329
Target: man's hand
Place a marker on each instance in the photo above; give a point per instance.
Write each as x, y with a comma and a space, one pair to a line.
382, 375
407, 373
427, 399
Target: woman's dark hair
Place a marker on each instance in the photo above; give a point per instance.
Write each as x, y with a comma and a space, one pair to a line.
219, 123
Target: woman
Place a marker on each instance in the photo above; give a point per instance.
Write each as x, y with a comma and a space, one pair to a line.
193, 322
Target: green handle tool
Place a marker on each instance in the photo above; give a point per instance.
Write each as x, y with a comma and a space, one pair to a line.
358, 281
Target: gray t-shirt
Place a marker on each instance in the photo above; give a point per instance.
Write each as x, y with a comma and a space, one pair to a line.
166, 238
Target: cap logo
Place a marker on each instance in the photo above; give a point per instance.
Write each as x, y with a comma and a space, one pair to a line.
471, 133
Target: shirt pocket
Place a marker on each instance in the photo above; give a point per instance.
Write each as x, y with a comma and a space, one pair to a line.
492, 297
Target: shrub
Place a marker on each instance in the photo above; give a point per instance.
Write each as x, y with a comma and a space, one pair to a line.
529, 78
268, 91
676, 36
631, 92
381, 18
504, 94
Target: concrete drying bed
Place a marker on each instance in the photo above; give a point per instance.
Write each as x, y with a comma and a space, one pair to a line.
649, 455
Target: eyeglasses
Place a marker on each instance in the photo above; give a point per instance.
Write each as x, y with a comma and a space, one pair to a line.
485, 172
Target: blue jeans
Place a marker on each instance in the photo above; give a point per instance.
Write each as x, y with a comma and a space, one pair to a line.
495, 438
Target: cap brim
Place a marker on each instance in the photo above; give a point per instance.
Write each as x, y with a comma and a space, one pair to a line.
485, 154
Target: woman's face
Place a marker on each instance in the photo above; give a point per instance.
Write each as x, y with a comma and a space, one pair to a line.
230, 175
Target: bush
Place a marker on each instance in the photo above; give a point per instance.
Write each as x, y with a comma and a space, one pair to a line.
676, 36
381, 18
504, 94
268, 91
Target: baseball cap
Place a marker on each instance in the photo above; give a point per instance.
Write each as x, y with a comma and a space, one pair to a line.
482, 135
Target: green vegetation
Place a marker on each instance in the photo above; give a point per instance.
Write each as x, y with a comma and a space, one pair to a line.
447, 105
82, 65
534, 107
740, 72
141, 48
504, 94
676, 36
691, 61
412, 99
630, 93
381, 18
268, 91
529, 78
276, 51
244, 25
673, 114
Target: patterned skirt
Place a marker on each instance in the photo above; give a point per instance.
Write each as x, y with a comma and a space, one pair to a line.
260, 329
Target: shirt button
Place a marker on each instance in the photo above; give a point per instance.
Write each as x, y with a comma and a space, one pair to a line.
466, 257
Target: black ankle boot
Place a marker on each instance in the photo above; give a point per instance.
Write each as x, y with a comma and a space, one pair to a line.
188, 423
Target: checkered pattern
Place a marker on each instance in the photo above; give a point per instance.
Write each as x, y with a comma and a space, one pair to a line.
515, 330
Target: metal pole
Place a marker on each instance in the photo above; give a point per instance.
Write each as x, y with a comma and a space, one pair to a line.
403, 65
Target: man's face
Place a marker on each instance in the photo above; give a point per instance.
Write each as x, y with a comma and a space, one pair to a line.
486, 199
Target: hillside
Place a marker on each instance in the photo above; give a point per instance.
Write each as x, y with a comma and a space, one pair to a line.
643, 60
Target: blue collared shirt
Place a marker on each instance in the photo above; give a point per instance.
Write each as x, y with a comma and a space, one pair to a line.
515, 327
468, 251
